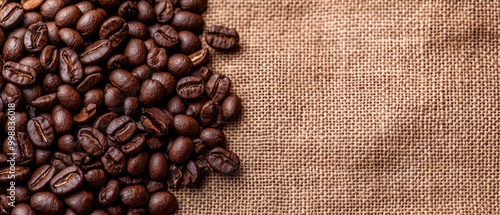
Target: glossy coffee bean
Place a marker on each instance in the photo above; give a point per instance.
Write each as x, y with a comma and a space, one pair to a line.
67, 143
45, 102
189, 42
51, 82
191, 176
155, 143
138, 164
113, 98
223, 38
137, 30
93, 141
113, 161
134, 146
41, 177
157, 122
223, 161
134, 196
136, 52
181, 150
21, 148
96, 52
96, 178
186, 126
31, 4
10, 15
89, 82
165, 36
188, 21
167, 80
157, 58
217, 87
156, 186
53, 33
46, 203
12, 95
49, 58
90, 22
94, 96
176, 106
162, 202
69, 97
49, 8
42, 156
13, 49
190, 87
18, 74
67, 181
62, 120
67, 16
109, 193
124, 81
23, 209
196, 6
30, 18
151, 92
128, 10
231, 107
158, 167
121, 129
211, 115
71, 38
85, 6
212, 137
81, 202
145, 12
36, 37
102, 121
115, 29
70, 66
164, 10
200, 58
41, 132
179, 65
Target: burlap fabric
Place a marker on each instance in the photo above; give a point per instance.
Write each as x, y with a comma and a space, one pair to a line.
360, 107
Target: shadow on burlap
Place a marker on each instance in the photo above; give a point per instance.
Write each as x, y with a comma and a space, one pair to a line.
359, 107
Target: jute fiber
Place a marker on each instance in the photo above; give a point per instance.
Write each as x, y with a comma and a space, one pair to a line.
360, 107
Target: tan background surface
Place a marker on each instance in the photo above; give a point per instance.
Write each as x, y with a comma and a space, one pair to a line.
360, 106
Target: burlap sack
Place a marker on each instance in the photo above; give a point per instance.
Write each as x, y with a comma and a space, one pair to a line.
359, 107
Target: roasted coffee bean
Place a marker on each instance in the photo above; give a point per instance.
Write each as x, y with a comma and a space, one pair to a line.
22, 194
176, 106
211, 115
49, 58
41, 132
115, 29
12, 95
68, 16
46, 203
34, 63
192, 175
31, 4
92, 141
121, 129
158, 167
102, 121
19, 148
157, 58
109, 194
188, 21
196, 6
71, 38
128, 10
217, 87
80, 158
157, 122
41, 178
161, 203
53, 32
69, 97
36, 37
18, 74
136, 52
99, 212
13, 49
89, 70
165, 36
179, 65
167, 80
129, 180
155, 143
213, 137
138, 30
189, 42
19, 119
67, 143
175, 177
89, 82
67, 181
30, 18
10, 15
200, 58
81, 202
90, 22
51, 82
223, 38
164, 10
145, 12
199, 147
223, 161
134, 196
131, 107
181, 150
186, 126
113, 98
150, 43
190, 87
134, 146
70, 66
117, 61
113, 161
45, 102
151, 92
85, 6
86, 115
17, 174
97, 52
138, 164
49, 8
62, 120
19, 33
116, 210
60, 161
23, 209
124, 81
94, 96
96, 178
42, 156
231, 107
32, 93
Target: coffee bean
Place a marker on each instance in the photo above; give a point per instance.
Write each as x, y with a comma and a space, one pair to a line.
192, 175
176, 106
217, 87
41, 132
188, 21
22, 194
96, 178
211, 115
85, 6
46, 203
89, 82
179, 65
34, 63
19, 74
36, 37
151, 92
13, 49
31, 4
68, 16
231, 107
23, 209
71, 38
162, 203
138, 164
109, 4
113, 161
222, 160
115, 29
42, 156
189, 42
92, 141
21, 174
145, 12
49, 58
45, 102
165, 36
70, 66
102, 121
157, 122
181, 150
10, 15
134, 146
213, 137
201, 58
134, 196
12, 94
175, 177
69, 97
164, 10
96, 52
223, 38
155, 143
157, 58
190, 87
60, 161
67, 143
167, 80
21, 148
116, 209
186, 126
93, 96
41, 178
196, 6
30, 18
67, 181
81, 202
49, 8
113, 98
53, 32
136, 52
150, 43
124, 81
90, 22
158, 166
121, 129
31, 93
62, 120
109, 194
128, 10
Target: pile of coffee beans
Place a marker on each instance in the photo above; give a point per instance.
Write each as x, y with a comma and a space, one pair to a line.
108, 105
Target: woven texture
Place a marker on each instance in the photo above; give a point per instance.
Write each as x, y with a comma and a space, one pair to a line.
359, 107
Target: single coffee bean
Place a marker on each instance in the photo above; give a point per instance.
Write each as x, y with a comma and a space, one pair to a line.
124, 81
137, 30
96, 52
85, 6
49, 8
190, 87
176, 106
80, 158
81, 202
121, 129
89, 82
10, 15
196, 6
113, 161
51, 82
192, 175
41, 178
167, 80
145, 12
217, 87
46, 203
161, 203
128, 10
68, 16
30, 18
67, 181
185, 20
49, 58
223, 38
181, 150
62, 120
23, 209
20, 148
156, 186
18, 74
96, 178
231, 107
42, 156
150, 43
136, 52
67, 143
115, 29
109, 194
223, 161
157, 122
165, 36
53, 32
134, 146
41, 132
94, 96
157, 58
36, 37
29, 5
20, 121
186, 126
151, 92
142, 72
189, 42
12, 95
138, 164
17, 174
134, 196
13, 49
164, 10
92, 141
117, 61
45, 102
19, 33
71, 38
179, 65
22, 194
70, 66
200, 58
90, 22
158, 166
102, 121
213, 137
113, 98
211, 115
69, 97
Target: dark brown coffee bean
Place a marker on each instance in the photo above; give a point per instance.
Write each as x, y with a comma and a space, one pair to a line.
13, 49
94, 96
49, 58
67, 143
45, 102
128, 10
121, 129
164, 10
158, 167
181, 150
46, 203
10, 15
117, 61
136, 52
116, 210
190, 87
19, 119
20, 147
231, 107
115, 29
68, 16
30, 18
42, 156
200, 58
81, 202
167, 80
162, 203
19, 33
134, 196
50, 8
165, 36
150, 43
29, 5
67, 181
41, 132
18, 174
145, 12
217, 87
18, 74
134, 146
70, 66
36, 37
192, 175
69, 97
109, 194
113, 161
151, 92
188, 21
176, 106
186, 126
196, 6
137, 30
62, 120
89, 82
23, 209
138, 164
60, 161
157, 122
224, 161
51, 82
41, 178
179, 65
124, 81
32, 93
211, 115
92, 141
22, 194
213, 137
189, 42
71, 38
80, 158
96, 52
53, 32
102, 121
219, 37
157, 58
96, 178
90, 22
12, 94
113, 98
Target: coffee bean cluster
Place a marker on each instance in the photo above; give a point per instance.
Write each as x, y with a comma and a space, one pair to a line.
107, 105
